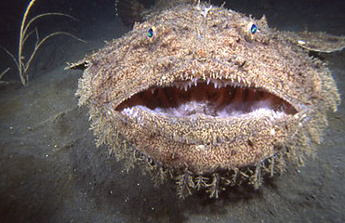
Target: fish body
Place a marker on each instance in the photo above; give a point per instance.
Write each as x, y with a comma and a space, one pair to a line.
207, 96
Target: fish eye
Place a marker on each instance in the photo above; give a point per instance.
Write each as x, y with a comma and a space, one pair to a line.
253, 29
151, 32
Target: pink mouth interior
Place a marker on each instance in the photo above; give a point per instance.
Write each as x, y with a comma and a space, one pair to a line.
211, 98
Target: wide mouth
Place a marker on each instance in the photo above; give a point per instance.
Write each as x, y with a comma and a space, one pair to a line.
210, 97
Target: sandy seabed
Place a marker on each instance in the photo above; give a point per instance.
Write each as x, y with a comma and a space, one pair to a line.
51, 170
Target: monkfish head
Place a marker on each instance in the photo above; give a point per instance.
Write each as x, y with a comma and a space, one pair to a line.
207, 95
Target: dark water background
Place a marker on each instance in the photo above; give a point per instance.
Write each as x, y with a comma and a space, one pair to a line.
51, 171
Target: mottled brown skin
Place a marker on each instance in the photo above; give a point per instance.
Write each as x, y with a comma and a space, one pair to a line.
199, 41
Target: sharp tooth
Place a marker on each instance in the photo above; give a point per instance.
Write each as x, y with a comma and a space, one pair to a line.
195, 81
185, 87
215, 84
208, 81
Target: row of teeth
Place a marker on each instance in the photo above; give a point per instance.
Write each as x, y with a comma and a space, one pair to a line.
185, 85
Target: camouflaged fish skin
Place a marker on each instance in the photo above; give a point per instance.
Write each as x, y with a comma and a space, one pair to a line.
219, 50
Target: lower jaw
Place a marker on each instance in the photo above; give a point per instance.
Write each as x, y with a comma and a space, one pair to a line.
202, 143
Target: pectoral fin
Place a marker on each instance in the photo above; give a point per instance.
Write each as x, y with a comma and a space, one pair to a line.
316, 41
80, 65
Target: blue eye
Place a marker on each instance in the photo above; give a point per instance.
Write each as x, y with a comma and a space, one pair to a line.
150, 32
253, 29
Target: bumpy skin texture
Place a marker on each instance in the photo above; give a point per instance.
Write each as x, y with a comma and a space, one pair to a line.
203, 42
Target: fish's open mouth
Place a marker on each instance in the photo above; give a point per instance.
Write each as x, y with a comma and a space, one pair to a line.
211, 97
